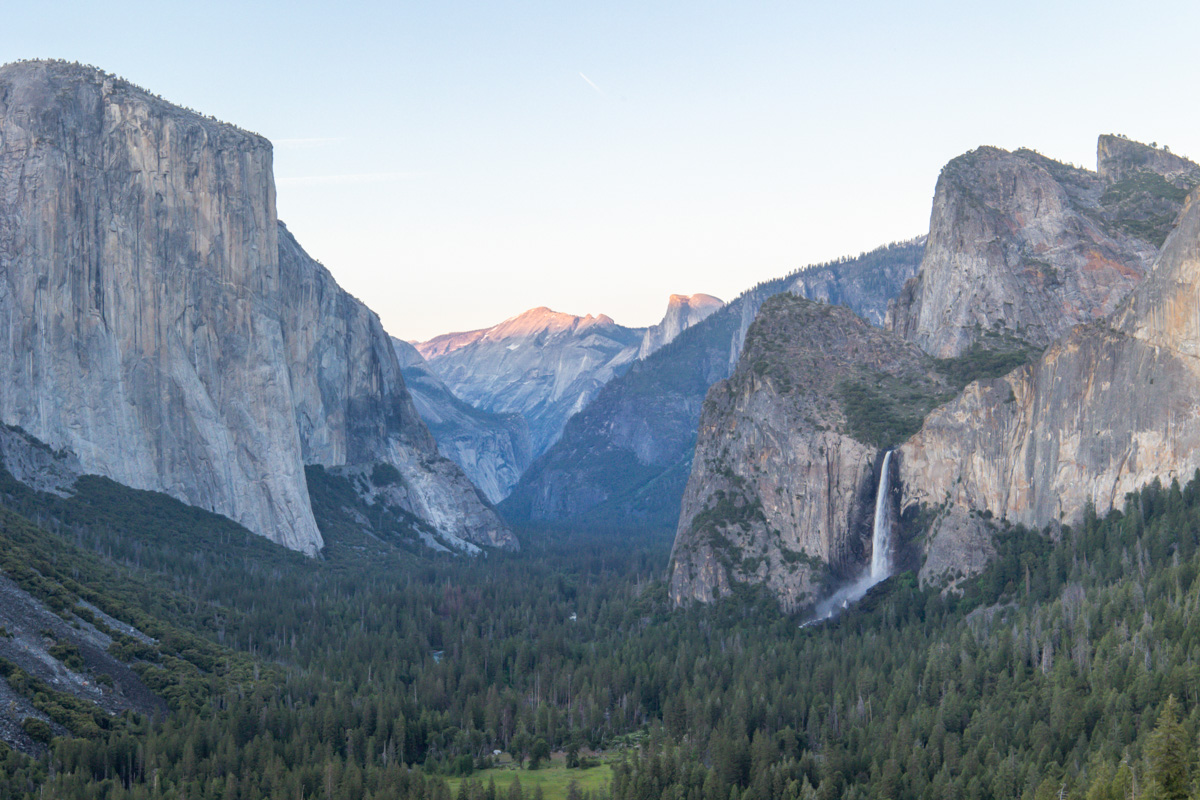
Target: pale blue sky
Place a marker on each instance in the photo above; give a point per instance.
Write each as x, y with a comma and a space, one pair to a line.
455, 163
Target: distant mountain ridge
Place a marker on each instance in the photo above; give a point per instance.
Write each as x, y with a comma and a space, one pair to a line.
542, 364
540, 321
625, 459
683, 312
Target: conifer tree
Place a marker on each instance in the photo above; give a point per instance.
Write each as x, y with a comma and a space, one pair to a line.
1168, 756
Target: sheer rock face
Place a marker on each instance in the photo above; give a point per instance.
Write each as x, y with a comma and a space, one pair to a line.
782, 487
1027, 247
152, 329
492, 449
140, 293
682, 313
541, 364
1108, 409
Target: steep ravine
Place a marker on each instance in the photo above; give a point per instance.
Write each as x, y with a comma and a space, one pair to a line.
492, 449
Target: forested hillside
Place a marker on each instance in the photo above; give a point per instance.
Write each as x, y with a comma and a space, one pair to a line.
374, 673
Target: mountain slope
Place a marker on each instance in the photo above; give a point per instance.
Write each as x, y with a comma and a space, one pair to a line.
164, 329
625, 459
492, 449
354, 412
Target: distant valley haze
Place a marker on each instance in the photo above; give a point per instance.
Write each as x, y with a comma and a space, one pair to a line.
456, 164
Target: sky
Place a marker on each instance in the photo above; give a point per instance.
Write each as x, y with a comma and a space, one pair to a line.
455, 163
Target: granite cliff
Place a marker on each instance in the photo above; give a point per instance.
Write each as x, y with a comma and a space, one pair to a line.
683, 312
169, 333
1104, 411
624, 460
1027, 260
1021, 248
492, 449
787, 461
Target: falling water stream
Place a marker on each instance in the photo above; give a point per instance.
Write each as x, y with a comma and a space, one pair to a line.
881, 553
881, 534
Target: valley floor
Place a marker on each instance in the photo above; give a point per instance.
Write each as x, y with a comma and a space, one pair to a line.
382, 671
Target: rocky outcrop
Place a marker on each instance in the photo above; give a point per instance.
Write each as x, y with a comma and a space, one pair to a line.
161, 326
1101, 413
542, 364
1120, 159
1022, 248
37, 466
492, 449
683, 312
625, 459
783, 484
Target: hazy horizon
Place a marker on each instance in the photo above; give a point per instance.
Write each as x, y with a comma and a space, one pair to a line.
455, 165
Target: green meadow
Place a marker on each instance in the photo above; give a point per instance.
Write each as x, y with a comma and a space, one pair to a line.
553, 777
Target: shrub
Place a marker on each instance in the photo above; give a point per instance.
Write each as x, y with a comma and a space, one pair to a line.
384, 474
38, 729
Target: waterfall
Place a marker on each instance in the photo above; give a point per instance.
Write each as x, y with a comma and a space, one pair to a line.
881, 552
881, 534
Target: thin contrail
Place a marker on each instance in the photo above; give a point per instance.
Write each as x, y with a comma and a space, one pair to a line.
594, 86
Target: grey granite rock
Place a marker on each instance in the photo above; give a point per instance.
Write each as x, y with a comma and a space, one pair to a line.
1106, 410
352, 407
1024, 247
625, 459
683, 312
154, 329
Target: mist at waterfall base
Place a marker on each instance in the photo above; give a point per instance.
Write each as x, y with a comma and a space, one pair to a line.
881, 554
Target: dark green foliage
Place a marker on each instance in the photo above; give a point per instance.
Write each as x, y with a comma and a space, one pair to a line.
992, 355
1144, 205
883, 409
340, 511
1169, 756
1145, 182
729, 510
80, 717
384, 474
69, 655
37, 729
1047, 674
